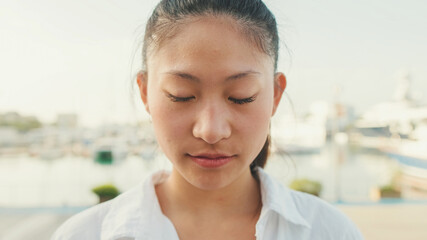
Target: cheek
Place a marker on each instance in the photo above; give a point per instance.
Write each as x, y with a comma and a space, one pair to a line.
168, 122
262, 109
253, 127
170, 132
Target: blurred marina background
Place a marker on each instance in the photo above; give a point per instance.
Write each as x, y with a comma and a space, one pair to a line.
354, 120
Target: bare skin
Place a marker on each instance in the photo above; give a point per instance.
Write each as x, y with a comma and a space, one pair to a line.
228, 213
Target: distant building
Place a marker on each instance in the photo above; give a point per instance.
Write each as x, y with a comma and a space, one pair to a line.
9, 137
67, 121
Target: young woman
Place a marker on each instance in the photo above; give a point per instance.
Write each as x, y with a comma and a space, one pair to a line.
210, 84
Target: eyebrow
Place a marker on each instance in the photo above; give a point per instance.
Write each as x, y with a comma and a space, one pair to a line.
192, 78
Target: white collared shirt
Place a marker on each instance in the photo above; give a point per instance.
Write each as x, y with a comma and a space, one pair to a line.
136, 215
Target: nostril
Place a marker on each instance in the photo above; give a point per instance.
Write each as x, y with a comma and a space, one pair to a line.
212, 131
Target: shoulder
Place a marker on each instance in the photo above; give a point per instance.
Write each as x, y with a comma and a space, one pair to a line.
90, 223
308, 215
325, 219
84, 225
119, 216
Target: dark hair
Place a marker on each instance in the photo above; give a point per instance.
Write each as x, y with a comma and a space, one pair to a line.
253, 18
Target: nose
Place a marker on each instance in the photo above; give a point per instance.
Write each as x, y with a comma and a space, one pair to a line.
212, 124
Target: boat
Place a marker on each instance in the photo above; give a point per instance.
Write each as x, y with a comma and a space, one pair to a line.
109, 150
383, 123
305, 135
411, 152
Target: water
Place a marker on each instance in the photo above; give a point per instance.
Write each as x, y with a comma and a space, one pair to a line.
347, 175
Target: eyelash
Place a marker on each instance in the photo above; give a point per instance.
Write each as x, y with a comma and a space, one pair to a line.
242, 101
179, 99
234, 100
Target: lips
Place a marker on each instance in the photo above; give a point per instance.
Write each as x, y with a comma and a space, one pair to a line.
211, 160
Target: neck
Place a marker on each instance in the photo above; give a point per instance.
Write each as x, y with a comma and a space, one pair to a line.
240, 198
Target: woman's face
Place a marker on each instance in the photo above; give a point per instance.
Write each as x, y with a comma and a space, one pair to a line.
211, 94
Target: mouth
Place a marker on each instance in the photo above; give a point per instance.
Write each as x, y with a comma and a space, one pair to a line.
208, 160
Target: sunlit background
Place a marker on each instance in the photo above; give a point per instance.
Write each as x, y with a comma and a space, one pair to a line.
353, 123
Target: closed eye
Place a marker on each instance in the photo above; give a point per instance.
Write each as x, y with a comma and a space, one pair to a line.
242, 100
179, 99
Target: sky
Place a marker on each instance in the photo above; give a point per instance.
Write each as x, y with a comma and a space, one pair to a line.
82, 56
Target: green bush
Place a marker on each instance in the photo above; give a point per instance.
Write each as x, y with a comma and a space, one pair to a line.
389, 191
307, 186
107, 190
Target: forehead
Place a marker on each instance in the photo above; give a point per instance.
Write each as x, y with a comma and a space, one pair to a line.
209, 43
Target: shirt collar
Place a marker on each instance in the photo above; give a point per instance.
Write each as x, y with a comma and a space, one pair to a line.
278, 198
136, 213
